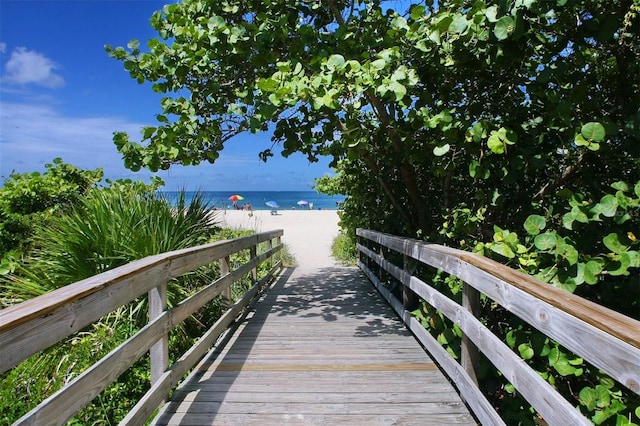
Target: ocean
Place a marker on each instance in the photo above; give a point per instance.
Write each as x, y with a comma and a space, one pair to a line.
286, 200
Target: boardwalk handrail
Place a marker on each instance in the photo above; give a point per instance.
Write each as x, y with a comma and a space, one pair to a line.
38, 323
613, 342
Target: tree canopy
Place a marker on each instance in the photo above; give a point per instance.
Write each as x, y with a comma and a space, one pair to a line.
510, 128
484, 104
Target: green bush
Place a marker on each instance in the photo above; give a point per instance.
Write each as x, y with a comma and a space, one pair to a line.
32, 198
107, 228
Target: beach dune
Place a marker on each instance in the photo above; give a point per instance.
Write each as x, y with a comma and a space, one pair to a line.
308, 234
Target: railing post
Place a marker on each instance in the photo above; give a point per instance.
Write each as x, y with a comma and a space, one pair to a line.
279, 254
253, 252
225, 267
269, 247
410, 300
159, 352
382, 253
469, 352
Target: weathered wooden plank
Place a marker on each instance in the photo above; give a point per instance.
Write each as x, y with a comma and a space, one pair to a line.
336, 366
361, 384
301, 354
613, 342
566, 319
469, 391
21, 339
307, 407
38, 323
332, 419
282, 397
456, 261
542, 396
62, 405
431, 377
159, 391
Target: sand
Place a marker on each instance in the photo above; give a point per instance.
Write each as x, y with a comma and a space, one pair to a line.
308, 234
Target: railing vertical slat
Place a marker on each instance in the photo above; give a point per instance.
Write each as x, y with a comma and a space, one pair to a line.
469, 352
410, 300
225, 267
253, 251
159, 352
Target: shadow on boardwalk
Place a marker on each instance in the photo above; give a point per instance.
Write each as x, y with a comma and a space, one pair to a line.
320, 348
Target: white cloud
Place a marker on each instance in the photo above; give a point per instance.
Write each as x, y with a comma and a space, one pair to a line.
34, 134
26, 66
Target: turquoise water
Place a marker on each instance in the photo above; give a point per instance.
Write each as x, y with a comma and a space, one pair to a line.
285, 199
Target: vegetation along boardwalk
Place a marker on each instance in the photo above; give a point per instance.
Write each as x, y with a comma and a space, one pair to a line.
321, 347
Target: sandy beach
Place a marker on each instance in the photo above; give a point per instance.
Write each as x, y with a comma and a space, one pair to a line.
308, 234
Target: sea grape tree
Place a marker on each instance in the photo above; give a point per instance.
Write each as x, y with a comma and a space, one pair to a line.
483, 104
508, 127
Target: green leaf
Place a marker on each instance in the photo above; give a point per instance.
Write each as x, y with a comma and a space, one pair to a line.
335, 62
148, 132
492, 13
593, 132
504, 27
620, 186
378, 64
398, 89
399, 23
534, 224
439, 151
569, 252
526, 352
546, 241
495, 144
591, 271
603, 396
621, 263
608, 205
459, 25
477, 171
267, 84
503, 249
417, 12
612, 242
588, 398
511, 338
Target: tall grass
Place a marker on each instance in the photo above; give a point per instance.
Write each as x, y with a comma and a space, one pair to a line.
344, 249
109, 228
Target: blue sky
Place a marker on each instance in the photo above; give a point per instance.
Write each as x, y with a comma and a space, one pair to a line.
62, 96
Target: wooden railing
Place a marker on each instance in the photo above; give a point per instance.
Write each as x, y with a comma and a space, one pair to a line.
608, 340
36, 324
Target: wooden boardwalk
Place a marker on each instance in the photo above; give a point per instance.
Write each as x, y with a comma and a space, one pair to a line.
320, 348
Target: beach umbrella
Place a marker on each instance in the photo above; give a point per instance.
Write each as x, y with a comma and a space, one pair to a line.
272, 204
236, 197
302, 203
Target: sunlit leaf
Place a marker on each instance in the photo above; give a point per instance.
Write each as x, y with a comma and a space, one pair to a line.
612, 242
534, 224
439, 151
503, 249
504, 27
545, 241
591, 271
459, 25
526, 352
593, 132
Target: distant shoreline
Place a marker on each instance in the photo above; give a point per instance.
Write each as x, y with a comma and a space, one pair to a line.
286, 200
